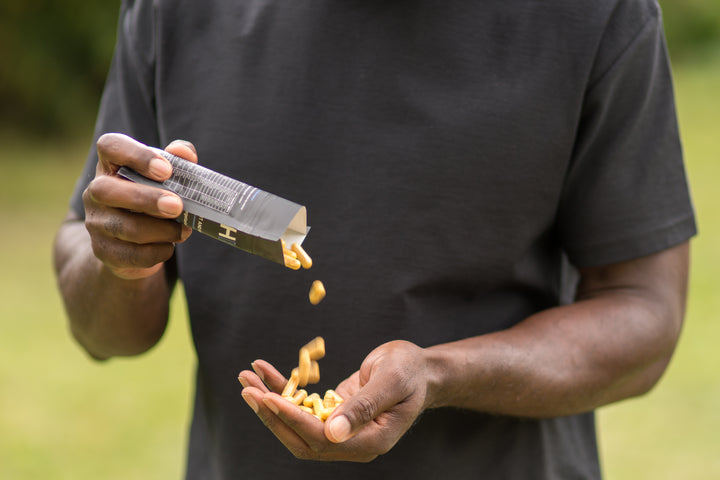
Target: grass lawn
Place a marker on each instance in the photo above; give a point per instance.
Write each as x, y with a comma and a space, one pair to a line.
63, 416
674, 432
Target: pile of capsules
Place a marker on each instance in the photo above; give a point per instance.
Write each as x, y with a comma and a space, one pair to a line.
308, 371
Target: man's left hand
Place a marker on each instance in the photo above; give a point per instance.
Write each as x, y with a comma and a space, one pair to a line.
382, 400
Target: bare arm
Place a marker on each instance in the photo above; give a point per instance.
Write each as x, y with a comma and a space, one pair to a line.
110, 268
108, 315
614, 342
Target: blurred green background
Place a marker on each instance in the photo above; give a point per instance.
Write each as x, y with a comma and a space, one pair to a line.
63, 416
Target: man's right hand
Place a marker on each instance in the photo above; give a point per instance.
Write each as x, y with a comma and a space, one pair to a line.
130, 225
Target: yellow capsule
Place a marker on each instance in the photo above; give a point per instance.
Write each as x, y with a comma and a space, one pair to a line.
310, 399
330, 400
306, 409
304, 367
338, 398
324, 413
299, 396
290, 253
314, 376
317, 405
316, 348
291, 262
302, 255
291, 385
317, 292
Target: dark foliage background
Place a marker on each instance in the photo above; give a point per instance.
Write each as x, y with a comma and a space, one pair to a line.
54, 56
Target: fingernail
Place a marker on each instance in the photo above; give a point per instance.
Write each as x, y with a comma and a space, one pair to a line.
271, 405
160, 168
185, 233
257, 371
182, 143
339, 429
170, 205
243, 382
251, 402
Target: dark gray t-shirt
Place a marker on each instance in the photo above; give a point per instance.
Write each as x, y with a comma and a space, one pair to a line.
458, 160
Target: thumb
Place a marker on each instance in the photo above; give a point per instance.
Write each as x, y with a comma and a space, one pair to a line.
357, 411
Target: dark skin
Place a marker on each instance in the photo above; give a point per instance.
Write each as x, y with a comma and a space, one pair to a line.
612, 343
110, 268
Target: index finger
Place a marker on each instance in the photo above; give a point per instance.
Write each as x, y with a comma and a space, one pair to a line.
269, 374
116, 150
115, 192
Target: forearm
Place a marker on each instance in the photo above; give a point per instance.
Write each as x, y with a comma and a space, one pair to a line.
613, 343
561, 361
108, 315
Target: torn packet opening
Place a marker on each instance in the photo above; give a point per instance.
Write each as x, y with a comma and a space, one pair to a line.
229, 210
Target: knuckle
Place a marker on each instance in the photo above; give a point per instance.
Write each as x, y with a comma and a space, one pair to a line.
86, 196
364, 409
90, 193
93, 222
114, 227
109, 144
96, 190
99, 248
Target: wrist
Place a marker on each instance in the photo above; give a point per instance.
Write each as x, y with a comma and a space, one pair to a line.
439, 368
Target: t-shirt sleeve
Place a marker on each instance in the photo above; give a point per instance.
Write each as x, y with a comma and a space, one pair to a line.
626, 193
128, 101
